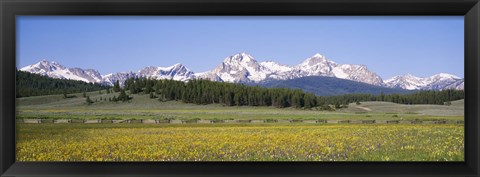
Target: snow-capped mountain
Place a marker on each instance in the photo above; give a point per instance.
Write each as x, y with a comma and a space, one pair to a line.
318, 65
55, 70
175, 72
274, 67
243, 68
436, 82
407, 81
457, 85
121, 77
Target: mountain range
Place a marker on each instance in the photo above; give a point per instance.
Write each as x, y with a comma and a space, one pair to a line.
243, 68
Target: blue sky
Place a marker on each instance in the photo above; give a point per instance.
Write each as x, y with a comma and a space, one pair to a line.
387, 45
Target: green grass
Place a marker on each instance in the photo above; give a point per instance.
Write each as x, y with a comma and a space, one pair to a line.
142, 107
456, 109
233, 142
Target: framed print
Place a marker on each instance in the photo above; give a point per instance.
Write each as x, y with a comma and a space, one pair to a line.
239, 88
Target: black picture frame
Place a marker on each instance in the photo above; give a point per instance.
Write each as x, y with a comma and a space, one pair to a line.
470, 9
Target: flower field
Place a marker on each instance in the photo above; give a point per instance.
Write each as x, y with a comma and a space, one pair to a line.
240, 142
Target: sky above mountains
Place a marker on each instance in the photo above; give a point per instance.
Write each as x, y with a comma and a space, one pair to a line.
390, 46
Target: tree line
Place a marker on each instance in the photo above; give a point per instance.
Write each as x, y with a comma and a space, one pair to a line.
420, 97
29, 84
199, 91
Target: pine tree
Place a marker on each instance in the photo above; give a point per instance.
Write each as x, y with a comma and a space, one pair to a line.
116, 86
337, 105
88, 100
65, 94
138, 85
158, 87
148, 87
132, 88
123, 96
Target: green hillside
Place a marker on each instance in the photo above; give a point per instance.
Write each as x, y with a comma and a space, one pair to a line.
143, 107
455, 109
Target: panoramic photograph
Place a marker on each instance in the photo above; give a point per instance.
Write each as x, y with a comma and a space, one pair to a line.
232, 88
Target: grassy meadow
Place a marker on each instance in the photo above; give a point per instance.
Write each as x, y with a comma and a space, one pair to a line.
234, 141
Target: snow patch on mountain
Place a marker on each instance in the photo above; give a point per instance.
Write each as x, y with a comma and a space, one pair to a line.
274, 67
436, 82
176, 72
239, 68
55, 70
121, 77
319, 65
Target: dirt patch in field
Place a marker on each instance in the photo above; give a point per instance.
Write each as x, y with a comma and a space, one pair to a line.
364, 108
